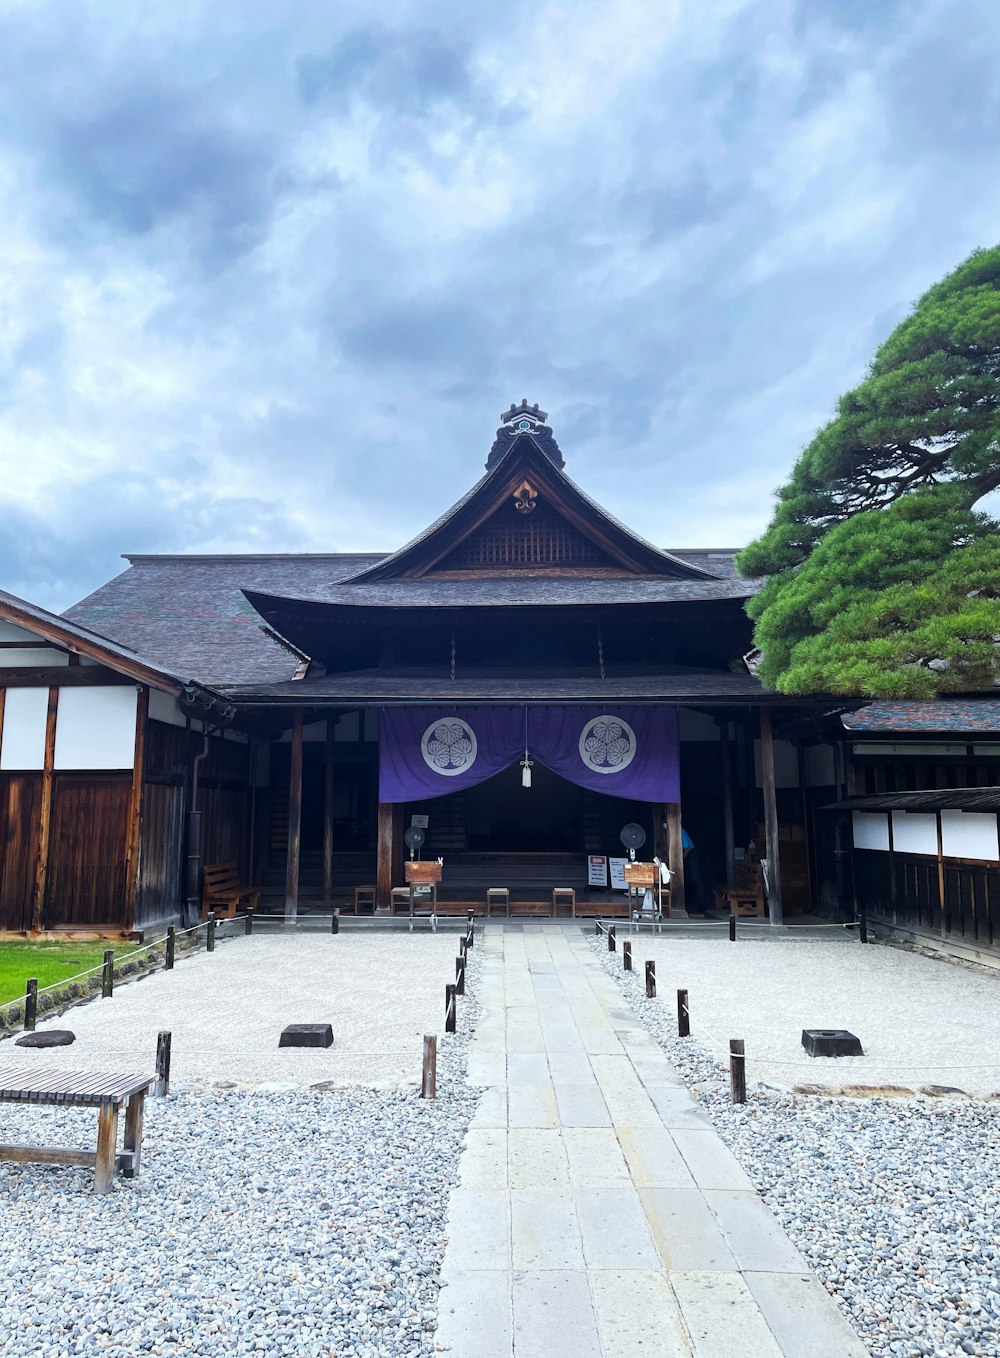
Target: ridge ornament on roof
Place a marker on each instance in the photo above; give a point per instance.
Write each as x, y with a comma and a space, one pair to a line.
524, 419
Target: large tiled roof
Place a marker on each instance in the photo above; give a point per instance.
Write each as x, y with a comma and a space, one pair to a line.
950, 715
190, 613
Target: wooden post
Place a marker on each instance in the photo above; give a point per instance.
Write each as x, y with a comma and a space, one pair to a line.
650, 980
171, 948
774, 908
132, 1140
328, 815
626, 955
727, 805
732, 928
45, 813
294, 822
163, 1063
737, 1070
470, 933
450, 1009
863, 928
31, 1005
108, 974
107, 1139
683, 1015
460, 975
384, 868
133, 841
248, 921
210, 932
675, 859
428, 1075
611, 938
942, 885
335, 922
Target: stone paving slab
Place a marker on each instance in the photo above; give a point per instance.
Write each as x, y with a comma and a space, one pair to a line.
599, 1214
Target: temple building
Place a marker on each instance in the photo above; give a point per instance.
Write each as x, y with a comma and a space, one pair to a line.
521, 680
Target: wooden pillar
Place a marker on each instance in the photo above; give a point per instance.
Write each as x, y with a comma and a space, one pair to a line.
294, 821
727, 804
388, 817
45, 812
331, 726
133, 842
774, 908
675, 859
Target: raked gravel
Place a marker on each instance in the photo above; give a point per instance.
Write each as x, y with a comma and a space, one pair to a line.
895, 1202
306, 1222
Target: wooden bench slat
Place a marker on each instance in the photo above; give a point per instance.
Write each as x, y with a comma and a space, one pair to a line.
47, 1155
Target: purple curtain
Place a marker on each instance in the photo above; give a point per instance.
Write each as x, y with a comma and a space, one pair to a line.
629, 752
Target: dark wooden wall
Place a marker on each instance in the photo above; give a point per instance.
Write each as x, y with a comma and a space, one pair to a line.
20, 812
905, 889
86, 878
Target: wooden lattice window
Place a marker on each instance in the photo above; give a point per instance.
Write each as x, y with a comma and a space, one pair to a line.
511, 539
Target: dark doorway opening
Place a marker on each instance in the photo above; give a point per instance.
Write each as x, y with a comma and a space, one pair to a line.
504, 817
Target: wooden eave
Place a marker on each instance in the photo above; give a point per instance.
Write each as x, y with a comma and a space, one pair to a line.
69, 638
526, 460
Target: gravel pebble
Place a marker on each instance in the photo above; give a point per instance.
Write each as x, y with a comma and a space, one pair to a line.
894, 1203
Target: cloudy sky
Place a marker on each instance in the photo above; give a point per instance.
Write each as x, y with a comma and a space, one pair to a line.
270, 271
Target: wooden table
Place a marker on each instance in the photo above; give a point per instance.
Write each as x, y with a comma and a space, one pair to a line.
81, 1089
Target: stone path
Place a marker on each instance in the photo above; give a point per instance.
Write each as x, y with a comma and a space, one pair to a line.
599, 1214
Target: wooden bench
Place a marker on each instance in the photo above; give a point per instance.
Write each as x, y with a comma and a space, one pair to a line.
223, 893
746, 895
81, 1089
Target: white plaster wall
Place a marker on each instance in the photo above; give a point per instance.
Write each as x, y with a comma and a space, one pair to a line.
44, 658
871, 830
22, 743
914, 832
10, 632
165, 707
95, 728
970, 834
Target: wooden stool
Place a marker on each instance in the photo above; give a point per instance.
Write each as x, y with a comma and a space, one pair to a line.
399, 898
563, 895
497, 896
364, 896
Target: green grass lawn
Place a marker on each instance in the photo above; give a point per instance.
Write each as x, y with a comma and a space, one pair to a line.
49, 962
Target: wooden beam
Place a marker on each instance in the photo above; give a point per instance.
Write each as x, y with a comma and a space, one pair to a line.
775, 912
45, 812
67, 638
294, 822
60, 676
133, 841
328, 789
387, 818
675, 859
3, 699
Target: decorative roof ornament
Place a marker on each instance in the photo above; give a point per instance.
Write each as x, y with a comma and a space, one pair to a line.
524, 419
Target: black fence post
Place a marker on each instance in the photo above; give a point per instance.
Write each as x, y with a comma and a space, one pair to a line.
459, 975
683, 1015
248, 922
450, 1009
650, 980
335, 922
428, 1073
732, 928
470, 933
611, 938
108, 975
168, 960
163, 1063
863, 928
30, 1005
210, 932
626, 955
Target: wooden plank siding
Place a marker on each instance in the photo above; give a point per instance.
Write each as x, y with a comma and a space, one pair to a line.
20, 811
85, 883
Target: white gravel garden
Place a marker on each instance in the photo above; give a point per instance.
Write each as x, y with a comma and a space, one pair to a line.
895, 1201
289, 1202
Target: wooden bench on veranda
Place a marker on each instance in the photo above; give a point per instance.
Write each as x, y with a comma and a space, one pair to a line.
223, 893
81, 1089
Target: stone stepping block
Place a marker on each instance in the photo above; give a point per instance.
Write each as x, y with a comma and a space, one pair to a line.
52, 1037
307, 1035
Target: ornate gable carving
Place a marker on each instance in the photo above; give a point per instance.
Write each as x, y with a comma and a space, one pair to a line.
513, 539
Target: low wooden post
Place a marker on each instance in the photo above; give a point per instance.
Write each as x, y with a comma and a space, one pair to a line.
737, 1070
108, 975
168, 960
450, 1009
683, 1015
31, 1005
863, 928
248, 922
597, 926
210, 932
163, 1063
428, 1074
611, 938
732, 928
463, 944
471, 931
459, 975
335, 922
626, 956
650, 980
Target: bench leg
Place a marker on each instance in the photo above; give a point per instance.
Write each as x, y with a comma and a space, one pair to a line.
133, 1133
107, 1138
